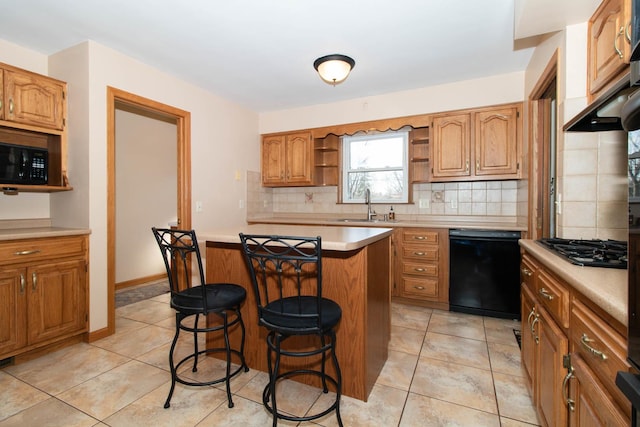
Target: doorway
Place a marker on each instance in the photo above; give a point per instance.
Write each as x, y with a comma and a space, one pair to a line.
542, 153
123, 102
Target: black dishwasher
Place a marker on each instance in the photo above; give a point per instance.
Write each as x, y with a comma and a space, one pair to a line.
484, 272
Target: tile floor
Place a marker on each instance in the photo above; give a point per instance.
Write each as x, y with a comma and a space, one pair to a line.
444, 369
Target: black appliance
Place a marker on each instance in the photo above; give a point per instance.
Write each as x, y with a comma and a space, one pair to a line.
484, 273
23, 165
590, 253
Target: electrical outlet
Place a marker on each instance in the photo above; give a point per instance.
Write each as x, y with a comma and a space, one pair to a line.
424, 203
241, 204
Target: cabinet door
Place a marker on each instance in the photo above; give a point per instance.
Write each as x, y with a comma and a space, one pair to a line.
496, 142
552, 410
2, 103
451, 146
609, 46
57, 299
34, 100
529, 337
12, 309
273, 160
593, 407
298, 166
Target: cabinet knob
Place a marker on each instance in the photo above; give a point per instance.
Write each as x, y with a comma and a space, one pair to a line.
526, 272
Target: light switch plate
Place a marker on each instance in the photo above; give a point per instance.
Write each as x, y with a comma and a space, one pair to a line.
423, 203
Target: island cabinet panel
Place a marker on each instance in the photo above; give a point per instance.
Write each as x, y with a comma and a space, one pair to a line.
43, 287
358, 280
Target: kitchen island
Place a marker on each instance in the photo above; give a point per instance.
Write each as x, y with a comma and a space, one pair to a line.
356, 273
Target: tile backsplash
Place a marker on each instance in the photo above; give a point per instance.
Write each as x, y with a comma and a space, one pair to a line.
481, 198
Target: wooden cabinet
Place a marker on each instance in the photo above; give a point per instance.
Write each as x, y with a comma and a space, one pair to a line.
544, 345
609, 45
44, 285
571, 352
33, 114
287, 160
421, 266
478, 144
32, 99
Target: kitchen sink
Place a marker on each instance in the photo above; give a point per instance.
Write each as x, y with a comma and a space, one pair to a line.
356, 220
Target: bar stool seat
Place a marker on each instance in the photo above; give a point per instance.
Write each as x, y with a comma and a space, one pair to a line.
286, 276
192, 301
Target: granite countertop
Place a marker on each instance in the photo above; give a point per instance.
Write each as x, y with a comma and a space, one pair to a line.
606, 287
333, 238
431, 221
39, 232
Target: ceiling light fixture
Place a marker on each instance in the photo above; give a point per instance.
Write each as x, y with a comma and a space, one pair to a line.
335, 68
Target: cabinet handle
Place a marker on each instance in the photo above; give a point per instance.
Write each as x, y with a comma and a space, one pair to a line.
466, 168
419, 253
22, 283
419, 237
10, 105
533, 331
585, 340
31, 252
526, 272
477, 165
627, 32
545, 294
0, 104
420, 288
34, 281
571, 404
533, 311
615, 42
419, 269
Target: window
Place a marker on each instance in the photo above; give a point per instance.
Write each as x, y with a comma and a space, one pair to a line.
377, 162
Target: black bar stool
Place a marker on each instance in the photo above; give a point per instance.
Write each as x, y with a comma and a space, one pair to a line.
221, 299
286, 273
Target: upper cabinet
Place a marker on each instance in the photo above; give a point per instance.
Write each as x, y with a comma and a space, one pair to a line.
33, 115
480, 144
609, 45
287, 160
32, 99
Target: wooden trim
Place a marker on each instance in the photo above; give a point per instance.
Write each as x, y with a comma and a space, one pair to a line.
550, 72
182, 118
99, 334
140, 281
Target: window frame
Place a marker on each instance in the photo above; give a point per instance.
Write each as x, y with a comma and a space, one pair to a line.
346, 170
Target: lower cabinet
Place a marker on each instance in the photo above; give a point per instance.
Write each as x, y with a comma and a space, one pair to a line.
570, 353
43, 286
422, 266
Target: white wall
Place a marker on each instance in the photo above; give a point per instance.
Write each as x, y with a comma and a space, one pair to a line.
146, 191
224, 140
492, 90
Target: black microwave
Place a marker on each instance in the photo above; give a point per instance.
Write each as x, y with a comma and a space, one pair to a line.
23, 165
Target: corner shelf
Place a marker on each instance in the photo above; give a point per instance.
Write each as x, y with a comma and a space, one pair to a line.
326, 160
419, 155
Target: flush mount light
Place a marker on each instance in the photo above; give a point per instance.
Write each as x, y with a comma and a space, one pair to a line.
335, 68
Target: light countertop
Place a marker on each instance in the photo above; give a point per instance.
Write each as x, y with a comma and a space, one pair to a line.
333, 238
40, 232
606, 287
430, 221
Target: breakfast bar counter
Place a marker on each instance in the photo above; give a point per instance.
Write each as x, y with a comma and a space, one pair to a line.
356, 273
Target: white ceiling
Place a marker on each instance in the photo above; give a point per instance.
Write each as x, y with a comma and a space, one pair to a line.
260, 53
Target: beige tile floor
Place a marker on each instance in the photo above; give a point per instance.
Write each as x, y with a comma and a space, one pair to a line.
444, 369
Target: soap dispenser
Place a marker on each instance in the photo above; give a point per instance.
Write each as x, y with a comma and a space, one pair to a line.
392, 214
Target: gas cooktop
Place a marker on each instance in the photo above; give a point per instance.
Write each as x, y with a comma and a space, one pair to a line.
590, 253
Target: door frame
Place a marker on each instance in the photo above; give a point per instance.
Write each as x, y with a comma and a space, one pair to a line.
183, 124
539, 155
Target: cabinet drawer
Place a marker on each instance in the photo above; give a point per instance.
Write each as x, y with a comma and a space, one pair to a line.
414, 236
554, 297
429, 253
422, 269
422, 288
17, 251
602, 348
528, 270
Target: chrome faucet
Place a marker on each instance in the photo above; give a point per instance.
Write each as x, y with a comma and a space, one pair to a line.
367, 199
